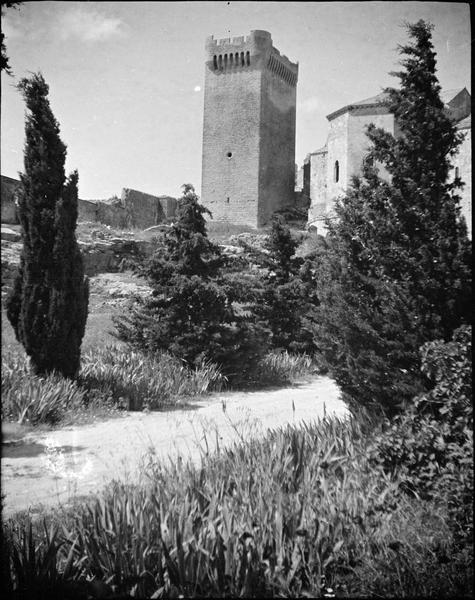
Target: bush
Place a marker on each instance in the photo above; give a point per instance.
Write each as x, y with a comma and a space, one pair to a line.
431, 446
136, 380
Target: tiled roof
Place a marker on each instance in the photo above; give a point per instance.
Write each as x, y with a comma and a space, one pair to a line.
465, 123
379, 99
373, 101
447, 95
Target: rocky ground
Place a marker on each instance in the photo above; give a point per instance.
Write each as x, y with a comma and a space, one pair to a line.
105, 250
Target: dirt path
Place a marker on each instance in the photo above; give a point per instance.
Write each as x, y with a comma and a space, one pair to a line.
51, 468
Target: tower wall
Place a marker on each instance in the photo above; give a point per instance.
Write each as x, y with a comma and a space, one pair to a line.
277, 136
248, 129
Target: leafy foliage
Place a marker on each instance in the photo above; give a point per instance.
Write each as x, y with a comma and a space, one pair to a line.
195, 312
48, 304
431, 445
396, 271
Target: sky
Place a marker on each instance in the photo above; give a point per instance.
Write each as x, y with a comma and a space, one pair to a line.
126, 78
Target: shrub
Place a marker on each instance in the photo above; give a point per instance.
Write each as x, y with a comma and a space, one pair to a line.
431, 446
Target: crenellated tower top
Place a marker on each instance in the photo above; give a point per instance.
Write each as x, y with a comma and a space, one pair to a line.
254, 51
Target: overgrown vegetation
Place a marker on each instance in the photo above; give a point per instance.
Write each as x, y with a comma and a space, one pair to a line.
110, 377
48, 304
397, 269
430, 446
193, 310
302, 512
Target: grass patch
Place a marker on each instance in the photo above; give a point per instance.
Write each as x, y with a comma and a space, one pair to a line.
301, 512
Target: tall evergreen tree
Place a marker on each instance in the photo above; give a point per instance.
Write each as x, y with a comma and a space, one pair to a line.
194, 310
288, 292
48, 304
397, 271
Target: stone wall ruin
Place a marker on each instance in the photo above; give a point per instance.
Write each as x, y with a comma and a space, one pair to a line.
133, 210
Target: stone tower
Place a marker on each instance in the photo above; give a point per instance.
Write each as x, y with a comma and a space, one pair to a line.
248, 168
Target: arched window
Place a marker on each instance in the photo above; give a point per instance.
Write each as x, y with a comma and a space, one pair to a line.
231, 59
220, 61
215, 61
337, 171
242, 59
236, 57
225, 60
248, 58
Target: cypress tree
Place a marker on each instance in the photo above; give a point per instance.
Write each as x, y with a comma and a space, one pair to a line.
48, 304
396, 272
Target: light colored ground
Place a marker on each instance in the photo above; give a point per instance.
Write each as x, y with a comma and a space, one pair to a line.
49, 468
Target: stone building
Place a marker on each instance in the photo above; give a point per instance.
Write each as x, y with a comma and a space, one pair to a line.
248, 168
327, 172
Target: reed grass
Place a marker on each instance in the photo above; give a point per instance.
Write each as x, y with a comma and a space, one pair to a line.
145, 380
110, 376
30, 399
300, 512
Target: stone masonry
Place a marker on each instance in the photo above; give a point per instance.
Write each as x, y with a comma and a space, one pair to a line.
327, 172
248, 168
133, 210
10, 190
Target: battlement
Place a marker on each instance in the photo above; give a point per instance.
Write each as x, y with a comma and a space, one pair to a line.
255, 51
281, 66
256, 38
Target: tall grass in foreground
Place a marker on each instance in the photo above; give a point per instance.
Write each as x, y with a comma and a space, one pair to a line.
111, 376
30, 399
298, 513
